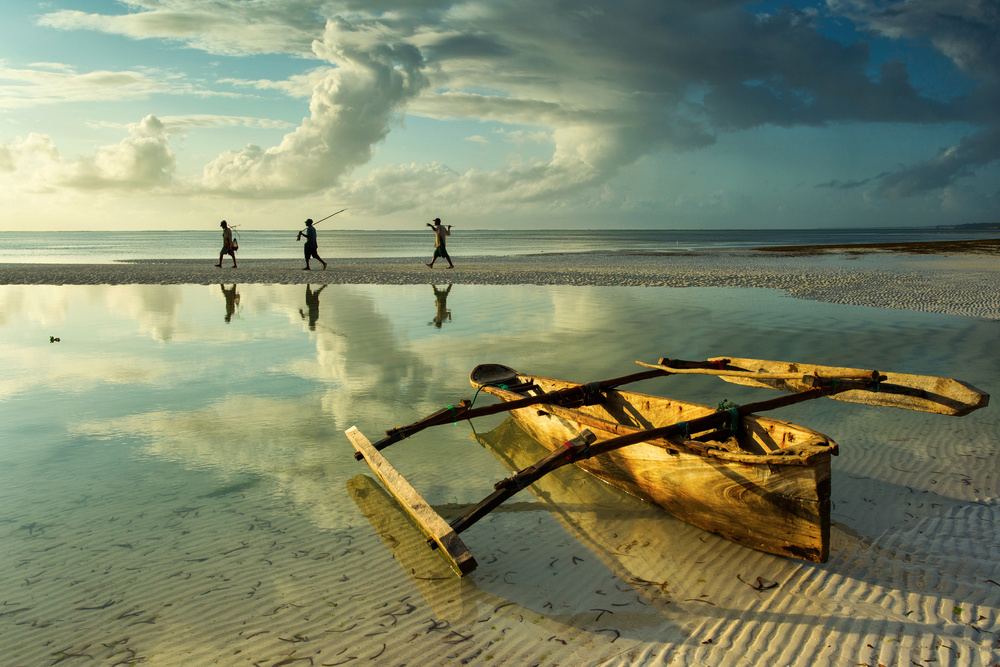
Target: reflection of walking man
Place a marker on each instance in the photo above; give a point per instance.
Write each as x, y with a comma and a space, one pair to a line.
232, 300
312, 305
441, 232
312, 245
227, 244
441, 302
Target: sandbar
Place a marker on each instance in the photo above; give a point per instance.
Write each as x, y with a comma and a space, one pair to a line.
956, 278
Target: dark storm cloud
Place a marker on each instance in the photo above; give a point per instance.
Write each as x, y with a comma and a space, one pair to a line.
968, 33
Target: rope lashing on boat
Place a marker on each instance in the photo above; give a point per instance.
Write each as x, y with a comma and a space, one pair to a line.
685, 429
719, 365
454, 414
592, 393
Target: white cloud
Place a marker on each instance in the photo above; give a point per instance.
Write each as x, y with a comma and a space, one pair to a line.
351, 109
602, 86
142, 160
299, 85
224, 27
179, 123
51, 83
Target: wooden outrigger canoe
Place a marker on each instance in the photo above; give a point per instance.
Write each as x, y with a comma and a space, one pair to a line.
764, 484
760, 482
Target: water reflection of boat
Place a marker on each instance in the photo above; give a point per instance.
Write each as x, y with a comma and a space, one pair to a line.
634, 540
765, 484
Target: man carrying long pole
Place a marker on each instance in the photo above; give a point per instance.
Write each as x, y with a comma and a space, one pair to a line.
311, 249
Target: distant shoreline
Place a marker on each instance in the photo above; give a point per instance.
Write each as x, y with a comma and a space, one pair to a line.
977, 246
957, 278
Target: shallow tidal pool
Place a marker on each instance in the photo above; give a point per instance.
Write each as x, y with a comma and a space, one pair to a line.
176, 486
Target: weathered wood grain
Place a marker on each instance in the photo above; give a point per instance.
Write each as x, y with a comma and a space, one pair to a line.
777, 503
429, 522
926, 393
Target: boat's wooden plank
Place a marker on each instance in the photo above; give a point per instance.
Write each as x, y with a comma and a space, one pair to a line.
926, 393
778, 504
429, 522
846, 373
777, 509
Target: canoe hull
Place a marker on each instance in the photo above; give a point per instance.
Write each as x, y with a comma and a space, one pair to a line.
771, 494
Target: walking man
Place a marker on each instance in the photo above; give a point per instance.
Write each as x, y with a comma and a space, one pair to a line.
441, 232
227, 244
312, 245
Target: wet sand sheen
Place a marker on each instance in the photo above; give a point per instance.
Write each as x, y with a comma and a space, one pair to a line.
115, 559
959, 278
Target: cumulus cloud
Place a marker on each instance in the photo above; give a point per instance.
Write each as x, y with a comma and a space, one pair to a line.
143, 160
604, 84
351, 110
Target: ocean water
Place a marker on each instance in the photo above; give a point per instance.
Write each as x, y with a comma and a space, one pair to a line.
176, 488
103, 247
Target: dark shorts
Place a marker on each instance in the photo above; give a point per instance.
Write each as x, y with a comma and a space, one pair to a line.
227, 250
441, 252
311, 250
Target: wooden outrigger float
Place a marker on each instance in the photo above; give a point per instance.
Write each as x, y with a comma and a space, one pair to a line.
760, 482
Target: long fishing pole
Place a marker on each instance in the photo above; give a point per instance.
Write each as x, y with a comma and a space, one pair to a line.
301, 232
329, 216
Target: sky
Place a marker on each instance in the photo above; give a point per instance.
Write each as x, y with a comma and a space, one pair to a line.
505, 114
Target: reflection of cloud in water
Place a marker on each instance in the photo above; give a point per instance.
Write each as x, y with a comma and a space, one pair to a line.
366, 362
280, 440
42, 304
158, 311
154, 308
374, 359
50, 368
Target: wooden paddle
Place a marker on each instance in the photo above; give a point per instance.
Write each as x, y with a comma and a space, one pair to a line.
570, 395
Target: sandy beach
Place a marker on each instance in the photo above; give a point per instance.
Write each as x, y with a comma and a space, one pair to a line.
177, 488
957, 278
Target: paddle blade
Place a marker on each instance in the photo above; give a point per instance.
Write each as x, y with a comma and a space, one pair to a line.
899, 390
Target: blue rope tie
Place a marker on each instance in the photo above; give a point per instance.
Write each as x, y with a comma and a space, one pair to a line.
734, 420
685, 429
